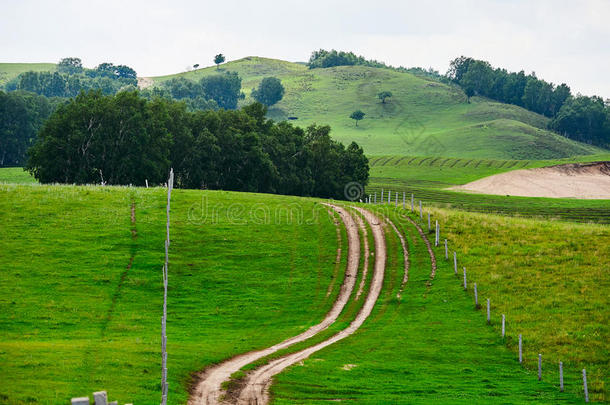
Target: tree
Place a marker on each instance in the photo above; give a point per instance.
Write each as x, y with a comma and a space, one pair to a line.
269, 92
196, 65
225, 89
383, 95
218, 59
357, 116
70, 65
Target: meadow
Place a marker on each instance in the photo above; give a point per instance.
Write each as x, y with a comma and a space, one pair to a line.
9, 71
423, 118
82, 292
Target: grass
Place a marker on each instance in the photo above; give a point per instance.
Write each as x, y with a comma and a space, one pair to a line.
75, 319
9, 71
429, 177
15, 175
423, 117
429, 347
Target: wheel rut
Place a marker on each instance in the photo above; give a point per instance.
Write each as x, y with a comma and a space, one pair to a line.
256, 387
208, 387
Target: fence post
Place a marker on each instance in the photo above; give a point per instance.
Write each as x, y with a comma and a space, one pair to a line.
539, 367
436, 234
397, 199
404, 199
503, 326
429, 227
560, 376
584, 383
520, 348
381, 197
389, 197
421, 213
476, 297
375, 201
146, 180
465, 284
488, 312
455, 262
446, 251
412, 202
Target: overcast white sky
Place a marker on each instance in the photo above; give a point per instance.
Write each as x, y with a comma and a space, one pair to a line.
562, 41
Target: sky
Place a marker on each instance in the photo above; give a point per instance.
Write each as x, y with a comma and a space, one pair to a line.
561, 41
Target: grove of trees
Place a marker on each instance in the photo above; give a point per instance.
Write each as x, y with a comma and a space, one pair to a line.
125, 138
22, 114
223, 90
583, 118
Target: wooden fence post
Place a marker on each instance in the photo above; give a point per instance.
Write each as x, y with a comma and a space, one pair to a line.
446, 251
539, 367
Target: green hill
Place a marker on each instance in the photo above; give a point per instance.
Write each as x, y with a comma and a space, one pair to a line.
423, 118
9, 71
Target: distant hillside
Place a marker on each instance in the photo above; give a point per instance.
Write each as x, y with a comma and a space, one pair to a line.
424, 117
9, 71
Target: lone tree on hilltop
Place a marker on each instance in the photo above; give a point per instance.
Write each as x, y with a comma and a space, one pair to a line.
218, 59
357, 116
383, 95
269, 91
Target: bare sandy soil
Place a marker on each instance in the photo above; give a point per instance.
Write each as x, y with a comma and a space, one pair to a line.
145, 82
208, 389
586, 181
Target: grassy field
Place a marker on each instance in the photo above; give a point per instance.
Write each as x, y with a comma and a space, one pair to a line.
424, 117
429, 177
9, 71
15, 175
432, 346
81, 288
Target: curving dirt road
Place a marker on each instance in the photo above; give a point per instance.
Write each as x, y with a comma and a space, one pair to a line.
256, 390
208, 390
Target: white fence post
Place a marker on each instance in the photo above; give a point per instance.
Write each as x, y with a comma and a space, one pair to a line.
476, 297
429, 227
520, 348
560, 376
375, 198
584, 383
421, 213
455, 262
488, 312
446, 251
412, 202
404, 197
381, 197
503, 326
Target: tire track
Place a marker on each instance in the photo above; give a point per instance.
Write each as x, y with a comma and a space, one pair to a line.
405, 253
208, 388
367, 253
428, 245
256, 389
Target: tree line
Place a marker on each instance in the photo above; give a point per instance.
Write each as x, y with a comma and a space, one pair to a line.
127, 139
22, 114
71, 78
582, 118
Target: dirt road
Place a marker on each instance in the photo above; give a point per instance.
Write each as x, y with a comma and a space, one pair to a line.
256, 389
208, 389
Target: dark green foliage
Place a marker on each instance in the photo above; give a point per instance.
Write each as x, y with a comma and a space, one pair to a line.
180, 88
126, 138
21, 115
269, 91
583, 119
218, 59
325, 59
357, 116
384, 95
70, 66
224, 89
115, 71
